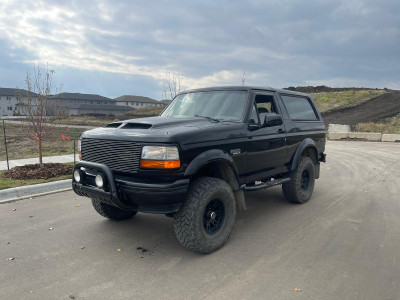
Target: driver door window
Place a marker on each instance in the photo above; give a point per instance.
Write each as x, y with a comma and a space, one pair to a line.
265, 105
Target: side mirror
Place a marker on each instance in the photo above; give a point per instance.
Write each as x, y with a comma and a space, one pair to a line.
253, 125
272, 120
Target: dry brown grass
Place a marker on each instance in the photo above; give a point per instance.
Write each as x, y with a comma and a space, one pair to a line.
145, 112
390, 125
22, 144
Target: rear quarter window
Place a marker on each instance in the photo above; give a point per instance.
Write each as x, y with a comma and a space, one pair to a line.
299, 108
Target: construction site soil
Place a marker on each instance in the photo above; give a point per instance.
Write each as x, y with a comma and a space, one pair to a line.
373, 110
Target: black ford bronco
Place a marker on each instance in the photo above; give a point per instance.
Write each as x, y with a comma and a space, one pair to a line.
195, 161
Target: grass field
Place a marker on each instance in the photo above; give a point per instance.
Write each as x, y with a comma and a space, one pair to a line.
333, 100
21, 143
390, 125
87, 120
145, 112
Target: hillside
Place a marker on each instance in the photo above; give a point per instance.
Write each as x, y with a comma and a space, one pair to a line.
376, 109
328, 101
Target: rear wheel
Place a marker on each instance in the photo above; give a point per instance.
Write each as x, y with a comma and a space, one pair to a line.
205, 221
301, 185
112, 212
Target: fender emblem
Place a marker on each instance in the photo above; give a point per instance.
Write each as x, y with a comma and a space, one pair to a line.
235, 151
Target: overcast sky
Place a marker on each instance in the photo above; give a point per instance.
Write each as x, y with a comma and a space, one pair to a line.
114, 48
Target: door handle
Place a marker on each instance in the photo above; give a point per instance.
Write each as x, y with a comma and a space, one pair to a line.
280, 130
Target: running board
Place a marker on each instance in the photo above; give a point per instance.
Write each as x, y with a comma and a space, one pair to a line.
266, 184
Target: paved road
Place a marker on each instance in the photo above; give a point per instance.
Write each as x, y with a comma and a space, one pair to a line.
343, 244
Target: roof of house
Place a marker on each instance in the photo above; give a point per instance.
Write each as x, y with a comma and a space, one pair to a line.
131, 98
15, 92
79, 96
103, 107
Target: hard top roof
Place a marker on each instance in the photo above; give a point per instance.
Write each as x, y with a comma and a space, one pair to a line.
244, 88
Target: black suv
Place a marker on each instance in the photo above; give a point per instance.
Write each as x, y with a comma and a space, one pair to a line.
195, 161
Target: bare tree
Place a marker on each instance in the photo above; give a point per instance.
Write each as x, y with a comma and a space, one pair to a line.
35, 102
244, 79
172, 85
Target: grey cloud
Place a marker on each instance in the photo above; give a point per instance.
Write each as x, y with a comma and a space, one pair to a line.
285, 42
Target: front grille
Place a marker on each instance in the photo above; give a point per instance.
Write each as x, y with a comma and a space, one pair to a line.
117, 155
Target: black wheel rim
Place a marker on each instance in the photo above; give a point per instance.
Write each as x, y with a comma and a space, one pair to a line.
213, 216
305, 180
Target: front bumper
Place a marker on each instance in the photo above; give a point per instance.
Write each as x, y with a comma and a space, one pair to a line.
128, 194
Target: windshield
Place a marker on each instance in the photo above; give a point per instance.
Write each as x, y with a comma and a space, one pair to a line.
221, 105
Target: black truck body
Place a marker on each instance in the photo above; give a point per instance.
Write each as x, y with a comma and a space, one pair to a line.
261, 148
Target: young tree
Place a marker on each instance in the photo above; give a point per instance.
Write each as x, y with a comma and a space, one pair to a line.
35, 102
172, 85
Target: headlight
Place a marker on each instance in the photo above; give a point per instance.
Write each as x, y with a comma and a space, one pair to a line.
160, 157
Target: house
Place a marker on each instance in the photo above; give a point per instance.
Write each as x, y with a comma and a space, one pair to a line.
166, 102
10, 100
75, 104
137, 101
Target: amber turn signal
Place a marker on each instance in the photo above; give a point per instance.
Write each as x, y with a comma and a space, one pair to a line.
160, 164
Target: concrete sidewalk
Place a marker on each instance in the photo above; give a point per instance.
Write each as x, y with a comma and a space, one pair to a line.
46, 159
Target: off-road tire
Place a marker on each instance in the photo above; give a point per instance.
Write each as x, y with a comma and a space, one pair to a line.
293, 190
112, 212
189, 220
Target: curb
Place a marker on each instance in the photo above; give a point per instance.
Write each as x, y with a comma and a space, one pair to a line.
23, 192
339, 132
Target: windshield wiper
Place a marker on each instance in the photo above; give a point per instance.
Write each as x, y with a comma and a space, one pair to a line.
208, 118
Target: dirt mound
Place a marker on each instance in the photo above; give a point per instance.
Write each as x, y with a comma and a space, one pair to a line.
35, 172
323, 88
379, 108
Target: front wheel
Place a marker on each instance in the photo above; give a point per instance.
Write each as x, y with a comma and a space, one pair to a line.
301, 185
205, 221
112, 212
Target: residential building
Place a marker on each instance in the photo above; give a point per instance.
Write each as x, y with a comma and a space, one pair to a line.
10, 100
75, 104
166, 102
137, 101
71, 104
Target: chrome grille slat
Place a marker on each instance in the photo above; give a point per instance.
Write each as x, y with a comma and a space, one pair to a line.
117, 155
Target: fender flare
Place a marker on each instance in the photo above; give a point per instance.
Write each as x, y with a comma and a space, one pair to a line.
307, 143
207, 157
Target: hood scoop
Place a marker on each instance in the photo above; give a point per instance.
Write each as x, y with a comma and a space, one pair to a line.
136, 126
113, 125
